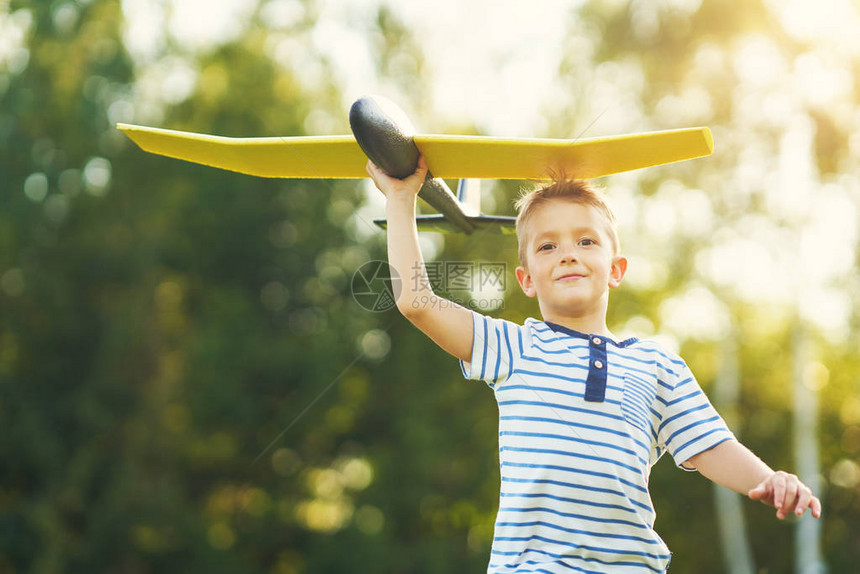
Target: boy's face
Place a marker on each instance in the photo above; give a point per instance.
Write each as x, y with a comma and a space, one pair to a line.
570, 265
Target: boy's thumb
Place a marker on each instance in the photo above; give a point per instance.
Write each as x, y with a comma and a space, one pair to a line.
757, 492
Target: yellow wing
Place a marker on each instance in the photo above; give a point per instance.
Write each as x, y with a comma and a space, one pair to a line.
447, 156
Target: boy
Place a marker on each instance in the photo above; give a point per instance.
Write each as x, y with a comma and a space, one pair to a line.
582, 416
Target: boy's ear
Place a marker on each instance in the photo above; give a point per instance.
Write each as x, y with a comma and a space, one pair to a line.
616, 273
525, 281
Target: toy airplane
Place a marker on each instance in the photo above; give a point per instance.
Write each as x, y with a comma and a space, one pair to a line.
383, 133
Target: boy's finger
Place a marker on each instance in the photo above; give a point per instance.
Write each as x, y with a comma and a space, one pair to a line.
804, 498
755, 493
420, 170
791, 494
815, 504
778, 491
371, 168
759, 492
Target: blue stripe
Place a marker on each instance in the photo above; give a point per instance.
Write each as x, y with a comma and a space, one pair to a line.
486, 348
686, 381
577, 531
616, 360
677, 361
644, 445
637, 412
498, 354
543, 571
637, 399
546, 389
639, 409
684, 398
520, 340
569, 500
681, 414
572, 515
562, 407
571, 454
583, 546
551, 352
643, 390
582, 363
564, 557
638, 406
577, 471
510, 352
653, 362
689, 426
556, 563
580, 487
556, 339
556, 390
698, 438
567, 453
641, 398
563, 422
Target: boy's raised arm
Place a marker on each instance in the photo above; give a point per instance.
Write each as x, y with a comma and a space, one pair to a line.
448, 324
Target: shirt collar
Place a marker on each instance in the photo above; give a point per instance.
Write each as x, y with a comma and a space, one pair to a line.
568, 331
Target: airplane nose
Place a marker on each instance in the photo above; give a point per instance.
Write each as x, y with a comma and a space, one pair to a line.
385, 135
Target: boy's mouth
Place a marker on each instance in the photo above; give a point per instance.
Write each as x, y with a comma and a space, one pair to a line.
570, 277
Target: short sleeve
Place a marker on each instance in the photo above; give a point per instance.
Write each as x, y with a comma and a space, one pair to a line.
690, 425
495, 345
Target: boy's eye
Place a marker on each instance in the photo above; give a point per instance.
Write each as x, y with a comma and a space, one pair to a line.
586, 241
545, 247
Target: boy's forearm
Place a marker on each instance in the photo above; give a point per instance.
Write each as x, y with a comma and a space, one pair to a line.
732, 465
404, 255
449, 325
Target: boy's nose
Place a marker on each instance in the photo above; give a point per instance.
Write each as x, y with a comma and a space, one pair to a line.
568, 256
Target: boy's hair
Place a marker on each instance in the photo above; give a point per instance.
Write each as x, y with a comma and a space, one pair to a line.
573, 190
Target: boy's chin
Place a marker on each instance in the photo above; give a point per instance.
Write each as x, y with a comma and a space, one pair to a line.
572, 307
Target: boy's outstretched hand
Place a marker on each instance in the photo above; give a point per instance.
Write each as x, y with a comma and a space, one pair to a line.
786, 493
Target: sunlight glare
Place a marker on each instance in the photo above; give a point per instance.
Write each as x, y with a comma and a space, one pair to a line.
824, 22
696, 314
201, 25
821, 82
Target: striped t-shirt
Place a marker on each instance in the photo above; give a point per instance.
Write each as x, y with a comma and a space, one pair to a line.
582, 419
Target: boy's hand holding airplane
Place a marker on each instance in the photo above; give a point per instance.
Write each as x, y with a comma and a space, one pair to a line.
394, 188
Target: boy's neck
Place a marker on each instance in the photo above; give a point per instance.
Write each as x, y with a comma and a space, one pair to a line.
587, 325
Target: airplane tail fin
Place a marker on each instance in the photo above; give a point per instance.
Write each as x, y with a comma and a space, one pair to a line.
439, 223
469, 196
